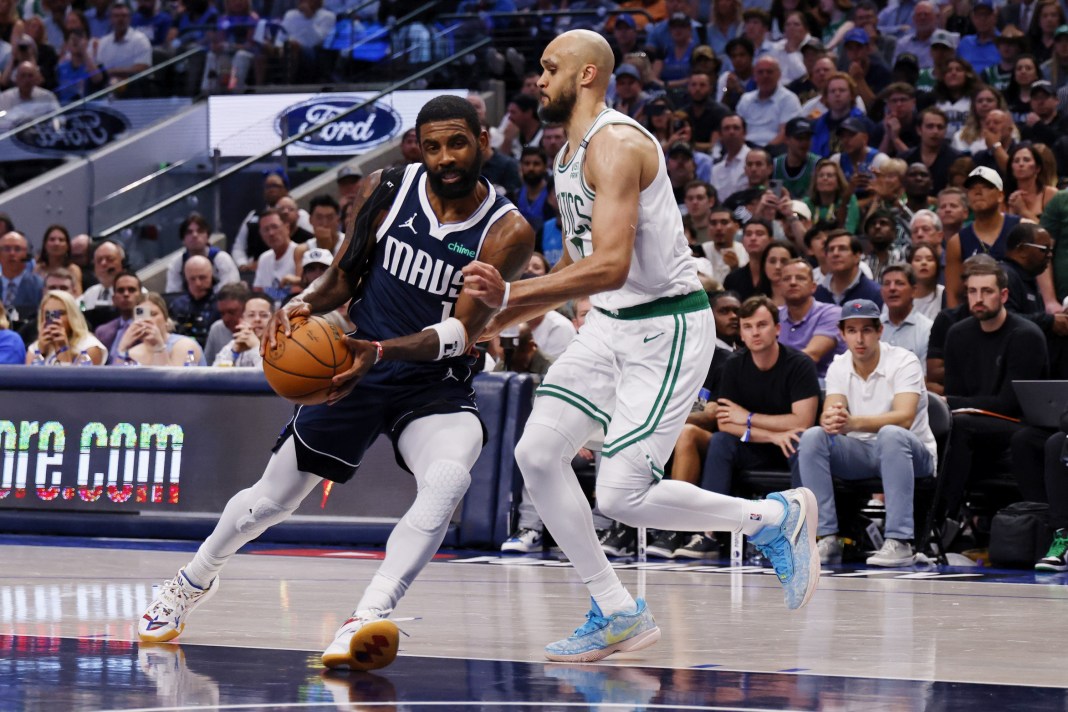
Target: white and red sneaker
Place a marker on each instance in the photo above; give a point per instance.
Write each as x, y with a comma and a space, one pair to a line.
166, 616
366, 641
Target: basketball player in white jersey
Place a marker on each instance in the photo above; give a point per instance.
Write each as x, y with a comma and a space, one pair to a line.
633, 371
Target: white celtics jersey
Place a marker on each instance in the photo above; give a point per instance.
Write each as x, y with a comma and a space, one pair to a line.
662, 264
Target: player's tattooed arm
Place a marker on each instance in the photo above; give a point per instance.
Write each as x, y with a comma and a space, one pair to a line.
509, 245
334, 287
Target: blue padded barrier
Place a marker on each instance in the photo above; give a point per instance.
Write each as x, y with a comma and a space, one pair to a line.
479, 513
520, 402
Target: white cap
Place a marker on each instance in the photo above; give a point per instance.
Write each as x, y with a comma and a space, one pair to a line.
801, 209
986, 174
317, 257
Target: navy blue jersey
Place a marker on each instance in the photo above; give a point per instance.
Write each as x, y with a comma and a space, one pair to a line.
414, 276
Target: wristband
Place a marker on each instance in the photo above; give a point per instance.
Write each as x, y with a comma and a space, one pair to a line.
378, 351
452, 337
507, 293
748, 428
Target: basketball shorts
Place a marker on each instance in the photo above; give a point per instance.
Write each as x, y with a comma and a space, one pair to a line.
331, 440
636, 378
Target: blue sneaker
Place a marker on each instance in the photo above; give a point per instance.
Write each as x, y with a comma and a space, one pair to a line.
791, 546
601, 636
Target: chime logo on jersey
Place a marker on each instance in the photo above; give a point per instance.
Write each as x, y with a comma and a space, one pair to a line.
421, 270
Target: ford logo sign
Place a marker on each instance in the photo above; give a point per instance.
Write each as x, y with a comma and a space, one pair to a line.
355, 133
79, 131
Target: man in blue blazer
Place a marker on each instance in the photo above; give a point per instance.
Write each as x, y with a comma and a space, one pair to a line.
20, 288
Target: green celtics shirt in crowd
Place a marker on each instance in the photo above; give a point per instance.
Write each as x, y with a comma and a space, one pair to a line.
926, 82
1055, 220
799, 183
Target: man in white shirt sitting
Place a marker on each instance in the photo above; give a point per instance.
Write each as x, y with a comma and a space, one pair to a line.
276, 270
874, 424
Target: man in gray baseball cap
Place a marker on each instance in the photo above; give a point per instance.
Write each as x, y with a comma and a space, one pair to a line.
874, 424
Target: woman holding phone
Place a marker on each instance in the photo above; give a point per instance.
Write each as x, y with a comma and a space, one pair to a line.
63, 335
148, 341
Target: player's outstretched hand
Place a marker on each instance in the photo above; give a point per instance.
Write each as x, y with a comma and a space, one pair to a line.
280, 322
364, 354
483, 282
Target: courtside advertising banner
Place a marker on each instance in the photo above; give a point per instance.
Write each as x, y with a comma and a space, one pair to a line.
241, 126
85, 129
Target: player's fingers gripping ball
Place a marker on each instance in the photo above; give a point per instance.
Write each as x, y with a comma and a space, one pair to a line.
300, 367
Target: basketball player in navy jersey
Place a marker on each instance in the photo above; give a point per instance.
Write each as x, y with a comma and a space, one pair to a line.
411, 378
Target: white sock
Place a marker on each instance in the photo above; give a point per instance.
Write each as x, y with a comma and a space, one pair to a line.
609, 593
763, 513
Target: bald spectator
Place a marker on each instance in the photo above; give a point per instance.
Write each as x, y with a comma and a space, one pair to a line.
767, 108
108, 259
230, 303
194, 310
26, 100
125, 296
125, 51
918, 42
195, 233
20, 288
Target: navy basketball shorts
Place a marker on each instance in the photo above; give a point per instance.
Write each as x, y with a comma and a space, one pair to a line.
331, 439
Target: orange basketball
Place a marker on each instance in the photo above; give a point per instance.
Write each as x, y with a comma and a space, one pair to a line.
300, 366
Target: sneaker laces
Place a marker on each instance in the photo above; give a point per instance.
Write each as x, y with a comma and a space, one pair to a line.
593, 622
169, 596
1059, 547
375, 614
777, 553
695, 541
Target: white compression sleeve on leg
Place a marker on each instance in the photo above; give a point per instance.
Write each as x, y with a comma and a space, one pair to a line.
440, 450
624, 492
252, 511
544, 455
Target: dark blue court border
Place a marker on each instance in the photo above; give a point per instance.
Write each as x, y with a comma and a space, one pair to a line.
85, 674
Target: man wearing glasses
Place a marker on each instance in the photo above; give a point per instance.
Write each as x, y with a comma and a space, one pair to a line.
20, 288
1029, 250
125, 296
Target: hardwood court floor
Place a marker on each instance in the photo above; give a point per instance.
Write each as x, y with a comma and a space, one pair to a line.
894, 640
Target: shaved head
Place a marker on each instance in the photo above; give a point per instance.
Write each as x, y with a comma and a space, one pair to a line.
576, 69
577, 49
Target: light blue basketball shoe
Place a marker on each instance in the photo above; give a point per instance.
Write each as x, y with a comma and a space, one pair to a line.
791, 546
600, 636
